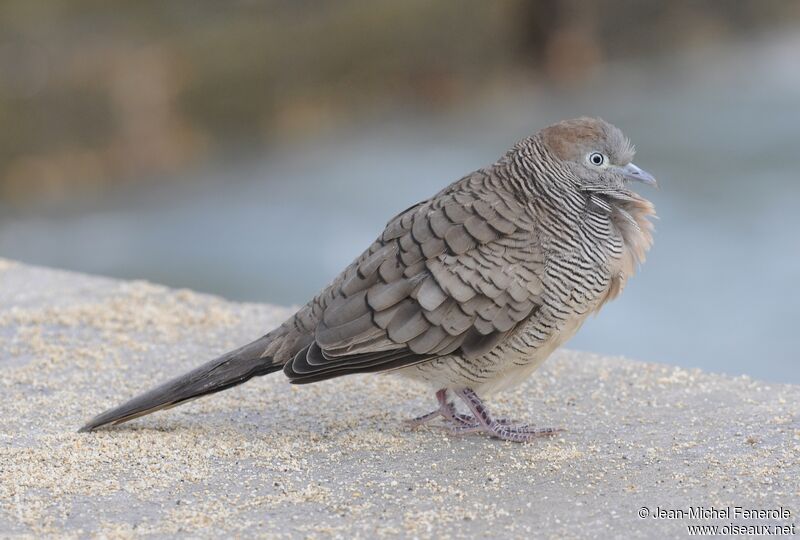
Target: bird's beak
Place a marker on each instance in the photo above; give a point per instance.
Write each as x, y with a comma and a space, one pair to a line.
632, 172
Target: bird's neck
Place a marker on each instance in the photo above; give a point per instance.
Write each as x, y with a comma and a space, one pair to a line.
541, 177
631, 215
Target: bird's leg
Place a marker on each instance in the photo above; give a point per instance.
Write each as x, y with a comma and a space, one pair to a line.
446, 410
462, 423
494, 427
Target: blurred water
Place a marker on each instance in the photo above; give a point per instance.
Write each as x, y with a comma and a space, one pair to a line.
719, 130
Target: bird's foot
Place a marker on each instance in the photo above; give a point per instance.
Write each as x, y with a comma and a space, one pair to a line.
419, 420
468, 421
482, 421
446, 410
521, 433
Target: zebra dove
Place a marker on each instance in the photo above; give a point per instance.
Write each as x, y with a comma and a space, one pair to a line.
468, 291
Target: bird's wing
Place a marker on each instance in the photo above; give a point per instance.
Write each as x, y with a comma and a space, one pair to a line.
455, 273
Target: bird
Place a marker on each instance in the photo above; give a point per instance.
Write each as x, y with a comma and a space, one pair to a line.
468, 291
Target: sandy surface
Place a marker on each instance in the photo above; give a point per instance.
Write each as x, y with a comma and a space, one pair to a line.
333, 459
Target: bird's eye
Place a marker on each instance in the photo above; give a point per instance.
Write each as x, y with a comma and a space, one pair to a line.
596, 158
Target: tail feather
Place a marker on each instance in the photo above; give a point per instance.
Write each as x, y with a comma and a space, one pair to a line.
231, 369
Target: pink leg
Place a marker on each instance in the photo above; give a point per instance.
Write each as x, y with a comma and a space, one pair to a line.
461, 424
446, 410
493, 427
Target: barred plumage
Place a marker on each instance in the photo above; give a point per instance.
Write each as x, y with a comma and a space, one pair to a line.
469, 290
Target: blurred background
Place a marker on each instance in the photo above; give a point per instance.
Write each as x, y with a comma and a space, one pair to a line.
253, 148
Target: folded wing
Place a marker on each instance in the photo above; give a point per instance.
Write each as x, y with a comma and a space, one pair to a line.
454, 273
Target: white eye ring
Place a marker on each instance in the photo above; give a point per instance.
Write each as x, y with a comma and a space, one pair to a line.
597, 159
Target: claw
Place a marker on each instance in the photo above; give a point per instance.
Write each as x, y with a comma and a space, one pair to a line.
498, 429
462, 424
419, 420
446, 410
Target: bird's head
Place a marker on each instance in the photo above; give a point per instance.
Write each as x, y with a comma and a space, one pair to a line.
597, 153
597, 159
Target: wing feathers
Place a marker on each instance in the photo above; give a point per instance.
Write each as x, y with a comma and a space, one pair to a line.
459, 240
430, 296
385, 295
407, 324
437, 281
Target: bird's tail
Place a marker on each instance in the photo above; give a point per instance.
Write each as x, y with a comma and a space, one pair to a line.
228, 370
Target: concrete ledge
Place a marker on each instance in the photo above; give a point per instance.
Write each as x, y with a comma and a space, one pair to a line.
333, 459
